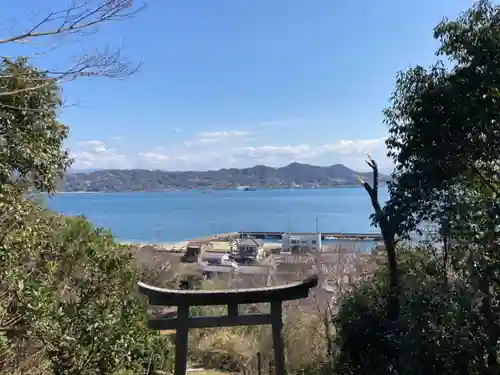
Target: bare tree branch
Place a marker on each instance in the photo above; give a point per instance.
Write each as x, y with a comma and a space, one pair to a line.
79, 18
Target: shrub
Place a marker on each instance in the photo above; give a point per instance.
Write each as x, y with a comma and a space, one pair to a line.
432, 336
68, 302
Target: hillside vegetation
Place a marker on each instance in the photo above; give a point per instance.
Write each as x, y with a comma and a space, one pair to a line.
292, 175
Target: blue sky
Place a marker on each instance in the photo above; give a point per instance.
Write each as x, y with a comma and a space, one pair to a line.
228, 83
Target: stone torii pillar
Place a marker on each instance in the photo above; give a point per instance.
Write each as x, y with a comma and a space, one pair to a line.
232, 298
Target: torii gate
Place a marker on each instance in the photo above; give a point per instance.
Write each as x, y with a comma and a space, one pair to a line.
232, 298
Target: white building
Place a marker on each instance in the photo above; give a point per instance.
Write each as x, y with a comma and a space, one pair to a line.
300, 242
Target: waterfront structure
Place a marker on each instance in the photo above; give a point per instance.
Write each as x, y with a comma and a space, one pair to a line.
324, 236
212, 258
300, 242
212, 263
217, 264
249, 249
194, 249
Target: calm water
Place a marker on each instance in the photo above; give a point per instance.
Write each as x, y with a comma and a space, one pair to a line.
176, 216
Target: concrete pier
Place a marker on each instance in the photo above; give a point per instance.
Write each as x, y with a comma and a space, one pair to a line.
324, 235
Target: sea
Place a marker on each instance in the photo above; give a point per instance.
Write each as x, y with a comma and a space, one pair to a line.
168, 217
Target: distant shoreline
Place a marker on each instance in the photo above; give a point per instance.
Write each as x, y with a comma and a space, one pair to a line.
212, 189
293, 175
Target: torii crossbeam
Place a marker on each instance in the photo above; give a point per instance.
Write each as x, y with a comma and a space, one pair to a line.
184, 299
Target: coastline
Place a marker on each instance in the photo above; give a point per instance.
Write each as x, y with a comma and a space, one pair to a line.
158, 222
181, 190
161, 245
180, 247
223, 245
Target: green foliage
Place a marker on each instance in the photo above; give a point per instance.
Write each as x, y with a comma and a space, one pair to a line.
445, 140
68, 303
68, 295
437, 332
31, 137
444, 133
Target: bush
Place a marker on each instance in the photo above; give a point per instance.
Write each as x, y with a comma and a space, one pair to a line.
432, 336
68, 301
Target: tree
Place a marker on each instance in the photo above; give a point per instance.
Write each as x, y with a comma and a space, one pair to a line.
445, 140
439, 333
443, 124
31, 137
67, 291
80, 19
68, 302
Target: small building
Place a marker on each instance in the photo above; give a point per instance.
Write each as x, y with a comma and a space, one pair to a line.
216, 264
194, 249
213, 258
300, 242
249, 249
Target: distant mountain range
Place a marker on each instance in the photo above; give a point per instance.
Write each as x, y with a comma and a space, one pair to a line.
294, 175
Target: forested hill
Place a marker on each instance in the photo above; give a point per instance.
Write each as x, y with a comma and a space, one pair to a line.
292, 175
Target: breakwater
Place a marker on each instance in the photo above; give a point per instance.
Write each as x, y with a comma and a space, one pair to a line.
278, 235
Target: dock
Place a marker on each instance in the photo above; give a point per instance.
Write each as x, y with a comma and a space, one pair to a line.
324, 235
277, 236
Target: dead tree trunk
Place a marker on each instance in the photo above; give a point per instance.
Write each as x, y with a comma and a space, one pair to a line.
388, 232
